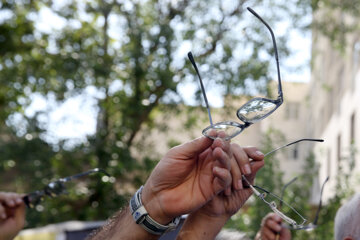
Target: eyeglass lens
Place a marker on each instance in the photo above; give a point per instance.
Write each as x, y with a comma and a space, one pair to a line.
287, 213
255, 110
54, 189
252, 111
230, 129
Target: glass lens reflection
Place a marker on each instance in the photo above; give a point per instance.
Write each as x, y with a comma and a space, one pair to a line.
255, 110
231, 129
54, 189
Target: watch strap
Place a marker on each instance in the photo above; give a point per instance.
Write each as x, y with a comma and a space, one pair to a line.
142, 217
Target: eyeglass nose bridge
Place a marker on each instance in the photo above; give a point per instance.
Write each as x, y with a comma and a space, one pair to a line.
33, 199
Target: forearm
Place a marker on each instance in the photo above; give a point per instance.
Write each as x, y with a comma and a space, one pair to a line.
122, 226
200, 226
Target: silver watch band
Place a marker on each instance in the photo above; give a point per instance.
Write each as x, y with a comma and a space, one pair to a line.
141, 217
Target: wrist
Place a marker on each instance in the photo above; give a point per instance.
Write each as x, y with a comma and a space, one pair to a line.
200, 225
153, 205
125, 228
258, 236
213, 216
142, 217
216, 218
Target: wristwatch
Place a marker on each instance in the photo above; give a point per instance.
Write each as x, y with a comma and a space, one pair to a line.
142, 217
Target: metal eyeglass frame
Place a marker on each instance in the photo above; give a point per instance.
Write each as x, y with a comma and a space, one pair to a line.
55, 188
272, 204
311, 226
270, 105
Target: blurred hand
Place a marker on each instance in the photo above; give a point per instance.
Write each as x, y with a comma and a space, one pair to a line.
187, 177
12, 215
272, 229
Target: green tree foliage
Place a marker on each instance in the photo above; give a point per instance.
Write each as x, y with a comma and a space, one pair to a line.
342, 15
344, 189
269, 178
298, 193
130, 52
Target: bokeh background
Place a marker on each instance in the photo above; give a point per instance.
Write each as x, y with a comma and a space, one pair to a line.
86, 84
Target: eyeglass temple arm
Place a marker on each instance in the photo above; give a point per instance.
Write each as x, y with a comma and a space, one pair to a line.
275, 49
191, 58
300, 140
283, 189
257, 193
320, 203
95, 170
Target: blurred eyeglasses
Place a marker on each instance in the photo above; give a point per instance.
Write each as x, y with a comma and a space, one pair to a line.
283, 210
311, 226
252, 111
55, 188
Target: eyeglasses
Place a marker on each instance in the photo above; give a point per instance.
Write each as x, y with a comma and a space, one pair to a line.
311, 226
284, 210
55, 188
254, 110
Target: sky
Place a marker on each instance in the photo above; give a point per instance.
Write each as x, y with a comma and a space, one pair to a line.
299, 44
76, 117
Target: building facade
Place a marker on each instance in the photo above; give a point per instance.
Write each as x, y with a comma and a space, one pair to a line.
335, 113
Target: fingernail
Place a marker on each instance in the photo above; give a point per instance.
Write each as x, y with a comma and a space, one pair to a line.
247, 169
259, 153
11, 203
3, 216
18, 200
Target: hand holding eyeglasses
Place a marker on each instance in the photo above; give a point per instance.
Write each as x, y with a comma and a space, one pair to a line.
187, 177
272, 228
206, 222
12, 215
229, 204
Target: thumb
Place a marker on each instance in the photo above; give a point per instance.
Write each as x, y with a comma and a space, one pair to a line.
192, 148
255, 167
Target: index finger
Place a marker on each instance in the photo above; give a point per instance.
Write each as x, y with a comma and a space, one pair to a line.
254, 153
10, 199
222, 149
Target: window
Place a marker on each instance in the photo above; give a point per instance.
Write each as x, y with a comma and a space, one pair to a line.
356, 62
328, 167
338, 150
352, 129
356, 56
293, 152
